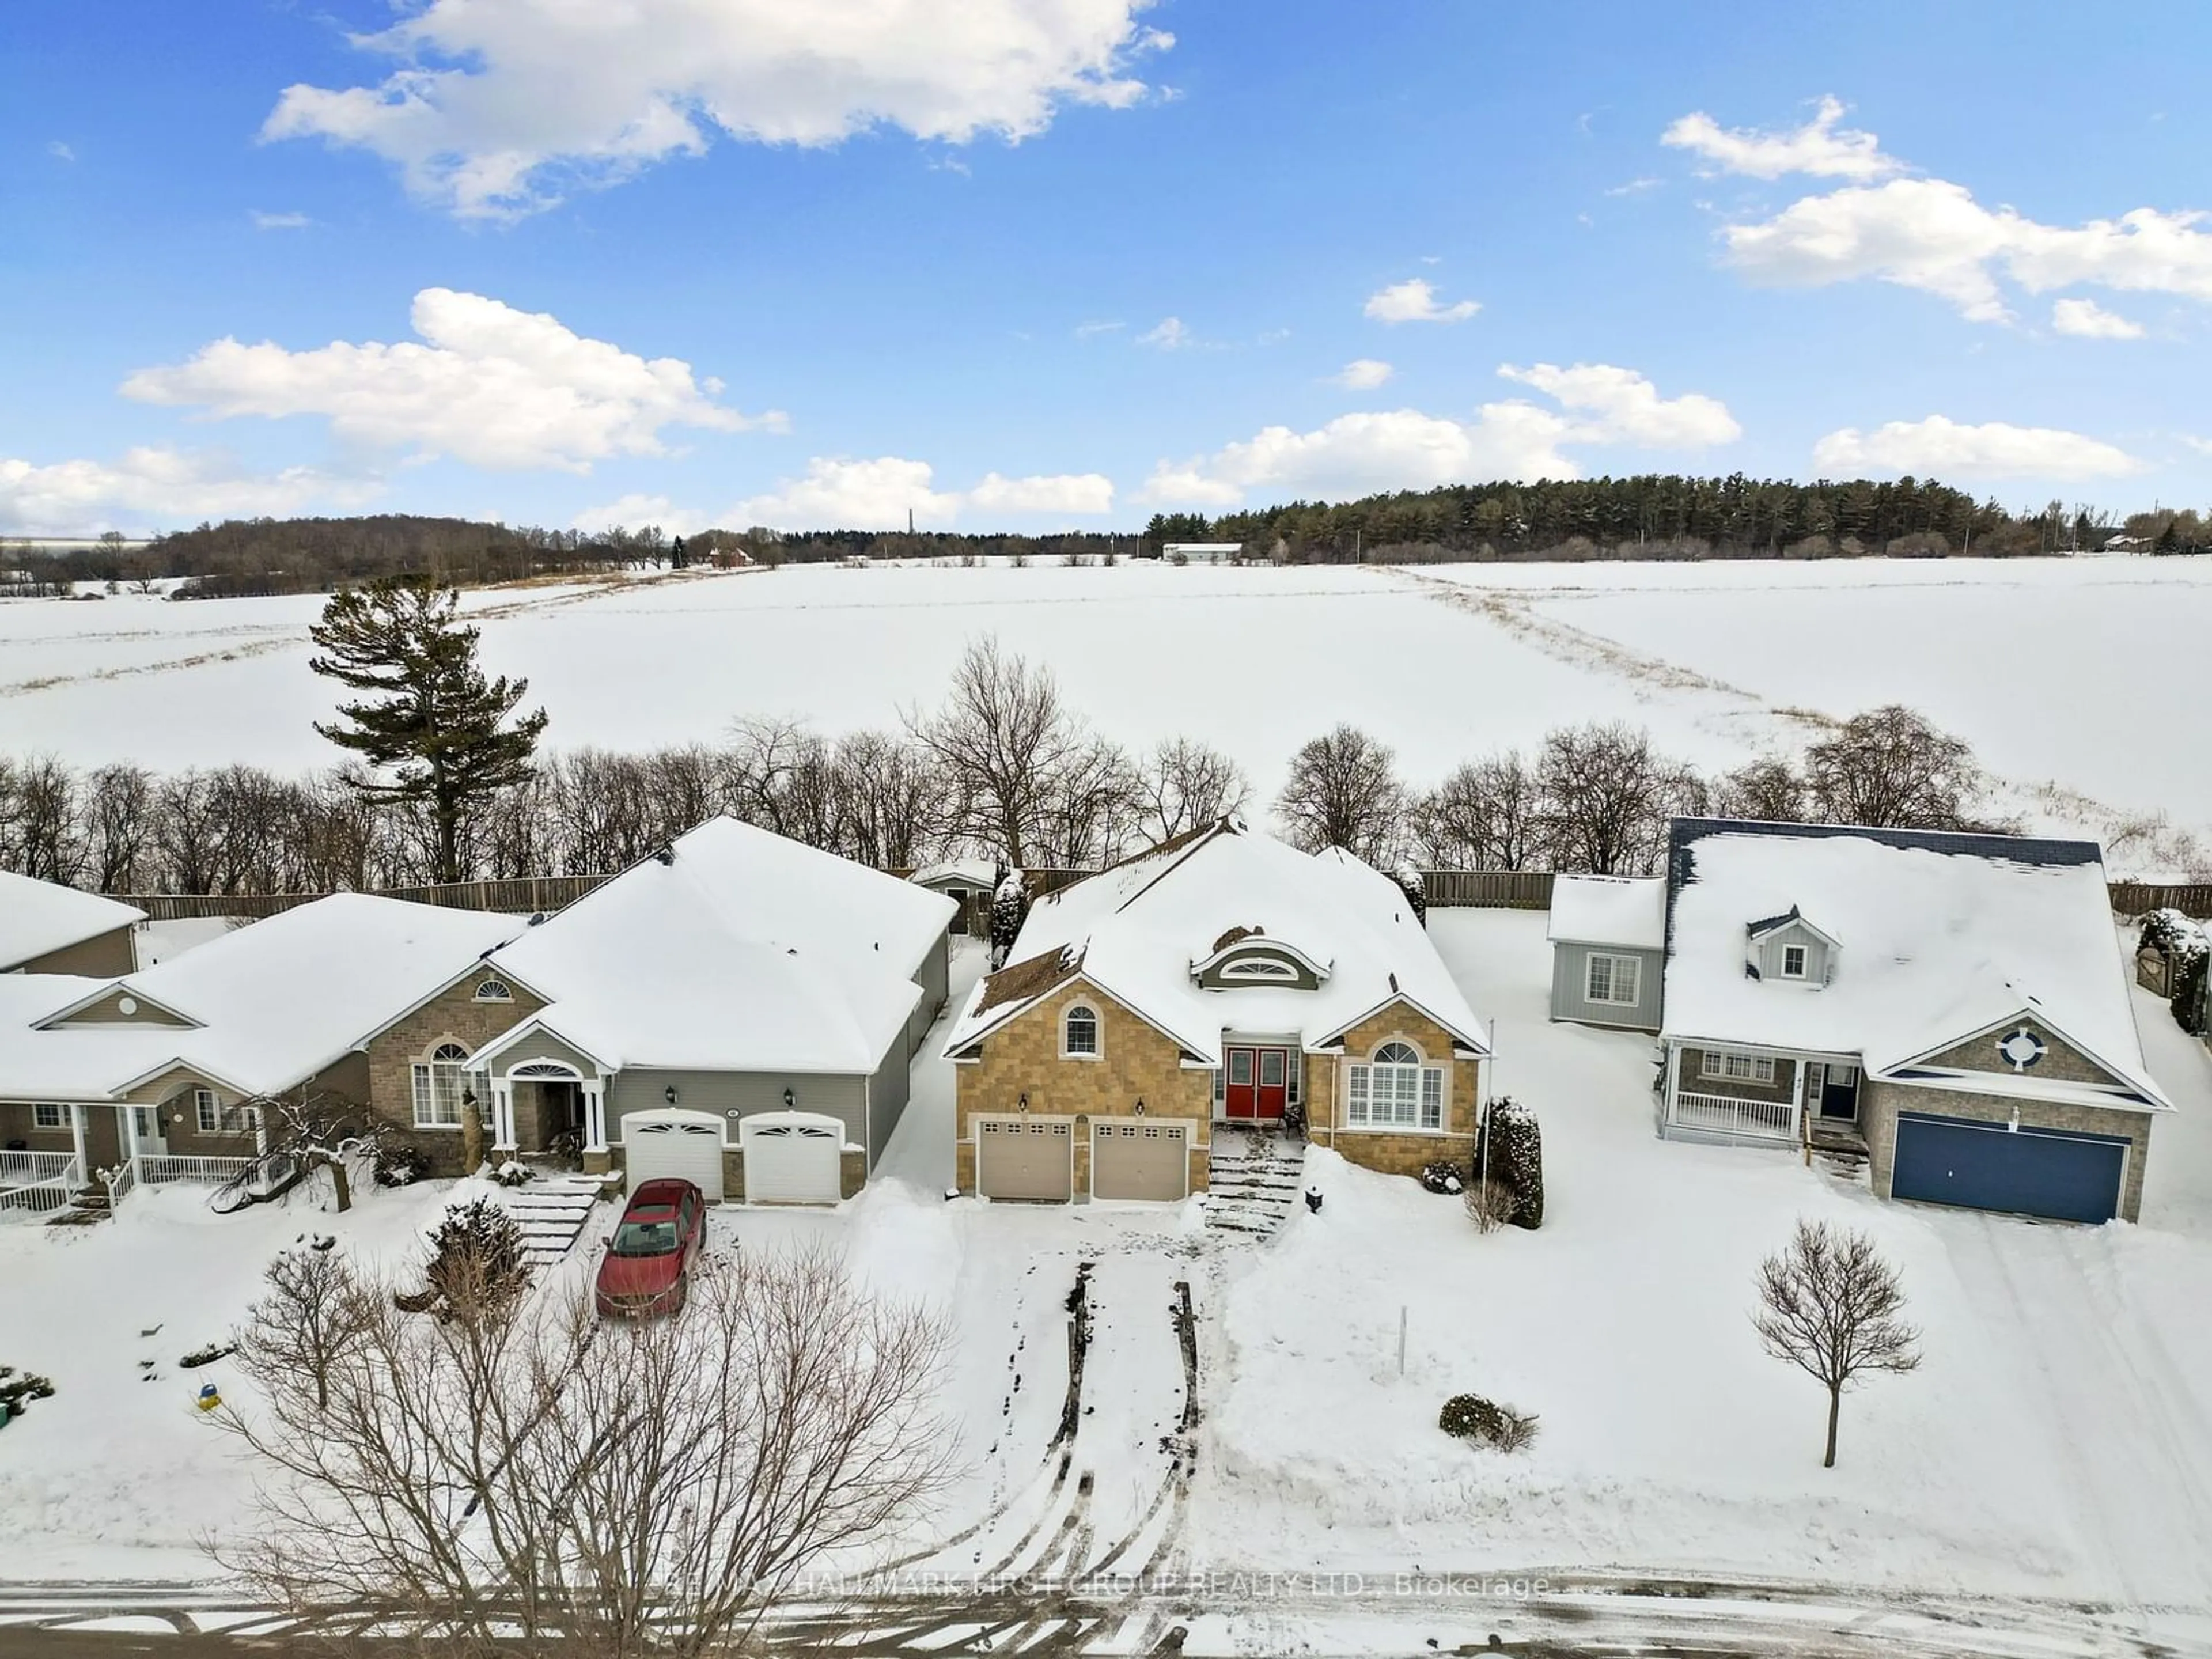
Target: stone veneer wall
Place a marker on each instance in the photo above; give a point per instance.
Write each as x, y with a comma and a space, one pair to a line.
1394, 1152
454, 1013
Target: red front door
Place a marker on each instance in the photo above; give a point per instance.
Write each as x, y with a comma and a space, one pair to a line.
1258, 1083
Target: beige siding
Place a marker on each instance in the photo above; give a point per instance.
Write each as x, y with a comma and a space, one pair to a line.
104, 955
109, 1011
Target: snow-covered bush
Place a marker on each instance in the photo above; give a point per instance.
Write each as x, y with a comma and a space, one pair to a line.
478, 1269
511, 1174
1009, 908
1444, 1176
1415, 890
1511, 1150
398, 1164
1470, 1417
18, 1389
2187, 950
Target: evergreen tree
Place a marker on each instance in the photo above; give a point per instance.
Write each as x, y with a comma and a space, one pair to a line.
430, 718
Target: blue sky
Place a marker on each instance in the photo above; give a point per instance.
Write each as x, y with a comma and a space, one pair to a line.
1034, 264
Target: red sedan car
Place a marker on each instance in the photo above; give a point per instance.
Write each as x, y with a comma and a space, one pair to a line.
647, 1265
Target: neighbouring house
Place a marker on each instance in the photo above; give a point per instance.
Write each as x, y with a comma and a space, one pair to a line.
1220, 978
1608, 937
158, 1071
1955, 1007
969, 883
1202, 552
739, 1009
46, 928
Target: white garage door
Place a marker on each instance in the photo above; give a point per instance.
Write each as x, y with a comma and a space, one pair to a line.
685, 1144
792, 1158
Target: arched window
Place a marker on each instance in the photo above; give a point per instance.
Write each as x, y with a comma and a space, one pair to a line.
494, 990
1079, 1032
438, 1084
1395, 1090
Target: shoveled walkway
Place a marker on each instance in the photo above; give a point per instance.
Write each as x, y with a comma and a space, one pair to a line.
1254, 1177
552, 1211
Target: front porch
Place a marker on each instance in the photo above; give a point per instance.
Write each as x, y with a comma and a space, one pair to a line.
1742, 1095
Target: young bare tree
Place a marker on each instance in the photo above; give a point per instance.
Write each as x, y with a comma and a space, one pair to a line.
309, 1320
1608, 796
322, 1128
1344, 791
1831, 1306
534, 1483
1001, 741
1484, 816
1889, 768
1187, 784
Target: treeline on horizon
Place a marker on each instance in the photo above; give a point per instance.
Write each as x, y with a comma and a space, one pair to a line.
1649, 516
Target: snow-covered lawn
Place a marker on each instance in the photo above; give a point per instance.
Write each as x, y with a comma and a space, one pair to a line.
2057, 1443
2053, 668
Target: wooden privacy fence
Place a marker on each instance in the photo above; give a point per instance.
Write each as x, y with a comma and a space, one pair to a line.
1489, 890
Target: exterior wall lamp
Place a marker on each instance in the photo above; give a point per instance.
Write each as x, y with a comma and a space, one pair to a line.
670, 1094
790, 1099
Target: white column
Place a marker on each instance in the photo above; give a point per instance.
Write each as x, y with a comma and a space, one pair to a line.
595, 1116
1673, 1079
76, 1134
502, 1117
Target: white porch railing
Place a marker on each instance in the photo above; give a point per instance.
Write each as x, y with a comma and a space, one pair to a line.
32, 1169
1736, 1114
119, 1180
45, 1196
157, 1168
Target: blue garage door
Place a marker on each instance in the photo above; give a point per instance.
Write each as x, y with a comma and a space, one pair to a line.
1986, 1166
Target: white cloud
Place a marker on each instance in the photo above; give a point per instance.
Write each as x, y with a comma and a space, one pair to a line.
1169, 334
837, 493
155, 487
1818, 147
1625, 407
2091, 321
1085, 330
2201, 446
1406, 449
494, 106
1931, 235
1363, 374
1943, 448
491, 385
60, 151
280, 220
1414, 300
1635, 186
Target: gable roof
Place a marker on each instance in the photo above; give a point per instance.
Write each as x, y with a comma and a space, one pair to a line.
1630, 911
739, 950
274, 1003
1137, 930
38, 918
1945, 936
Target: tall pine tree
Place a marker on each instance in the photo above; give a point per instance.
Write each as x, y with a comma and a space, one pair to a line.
431, 719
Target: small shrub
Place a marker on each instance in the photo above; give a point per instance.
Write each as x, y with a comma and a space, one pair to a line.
1512, 1151
18, 1389
1294, 1121
398, 1164
1444, 1176
208, 1355
1490, 1204
478, 1268
511, 1174
1470, 1417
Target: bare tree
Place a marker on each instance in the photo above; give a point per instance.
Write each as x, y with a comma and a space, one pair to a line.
322, 1128
1486, 815
1766, 791
1889, 768
1831, 1306
1187, 784
896, 800
310, 1320
1002, 740
1606, 797
529, 1484
42, 822
1344, 791
118, 811
1087, 811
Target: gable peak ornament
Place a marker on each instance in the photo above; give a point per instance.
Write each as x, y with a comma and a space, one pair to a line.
2020, 1047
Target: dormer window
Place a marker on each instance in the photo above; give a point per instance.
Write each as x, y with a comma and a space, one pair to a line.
1793, 962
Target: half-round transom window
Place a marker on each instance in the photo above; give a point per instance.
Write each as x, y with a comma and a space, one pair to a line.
1397, 1053
1081, 1028
447, 1053
494, 990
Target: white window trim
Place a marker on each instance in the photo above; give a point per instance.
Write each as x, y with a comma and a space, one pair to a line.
39, 1110
1098, 1030
1615, 963
492, 989
1427, 1081
1804, 961
422, 1085
1721, 1063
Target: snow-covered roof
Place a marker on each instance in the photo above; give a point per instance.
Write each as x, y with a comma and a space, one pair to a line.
1137, 932
978, 873
39, 917
1939, 938
742, 950
271, 1004
1630, 911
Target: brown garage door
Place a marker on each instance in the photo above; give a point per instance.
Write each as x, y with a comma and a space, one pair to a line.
1140, 1160
1024, 1157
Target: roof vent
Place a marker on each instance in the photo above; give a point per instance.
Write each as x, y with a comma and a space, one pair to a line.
666, 855
538, 920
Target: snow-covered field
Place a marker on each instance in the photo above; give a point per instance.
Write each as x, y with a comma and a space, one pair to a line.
2063, 673
2055, 1447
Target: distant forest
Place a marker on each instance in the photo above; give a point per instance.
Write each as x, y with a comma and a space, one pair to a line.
1651, 516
